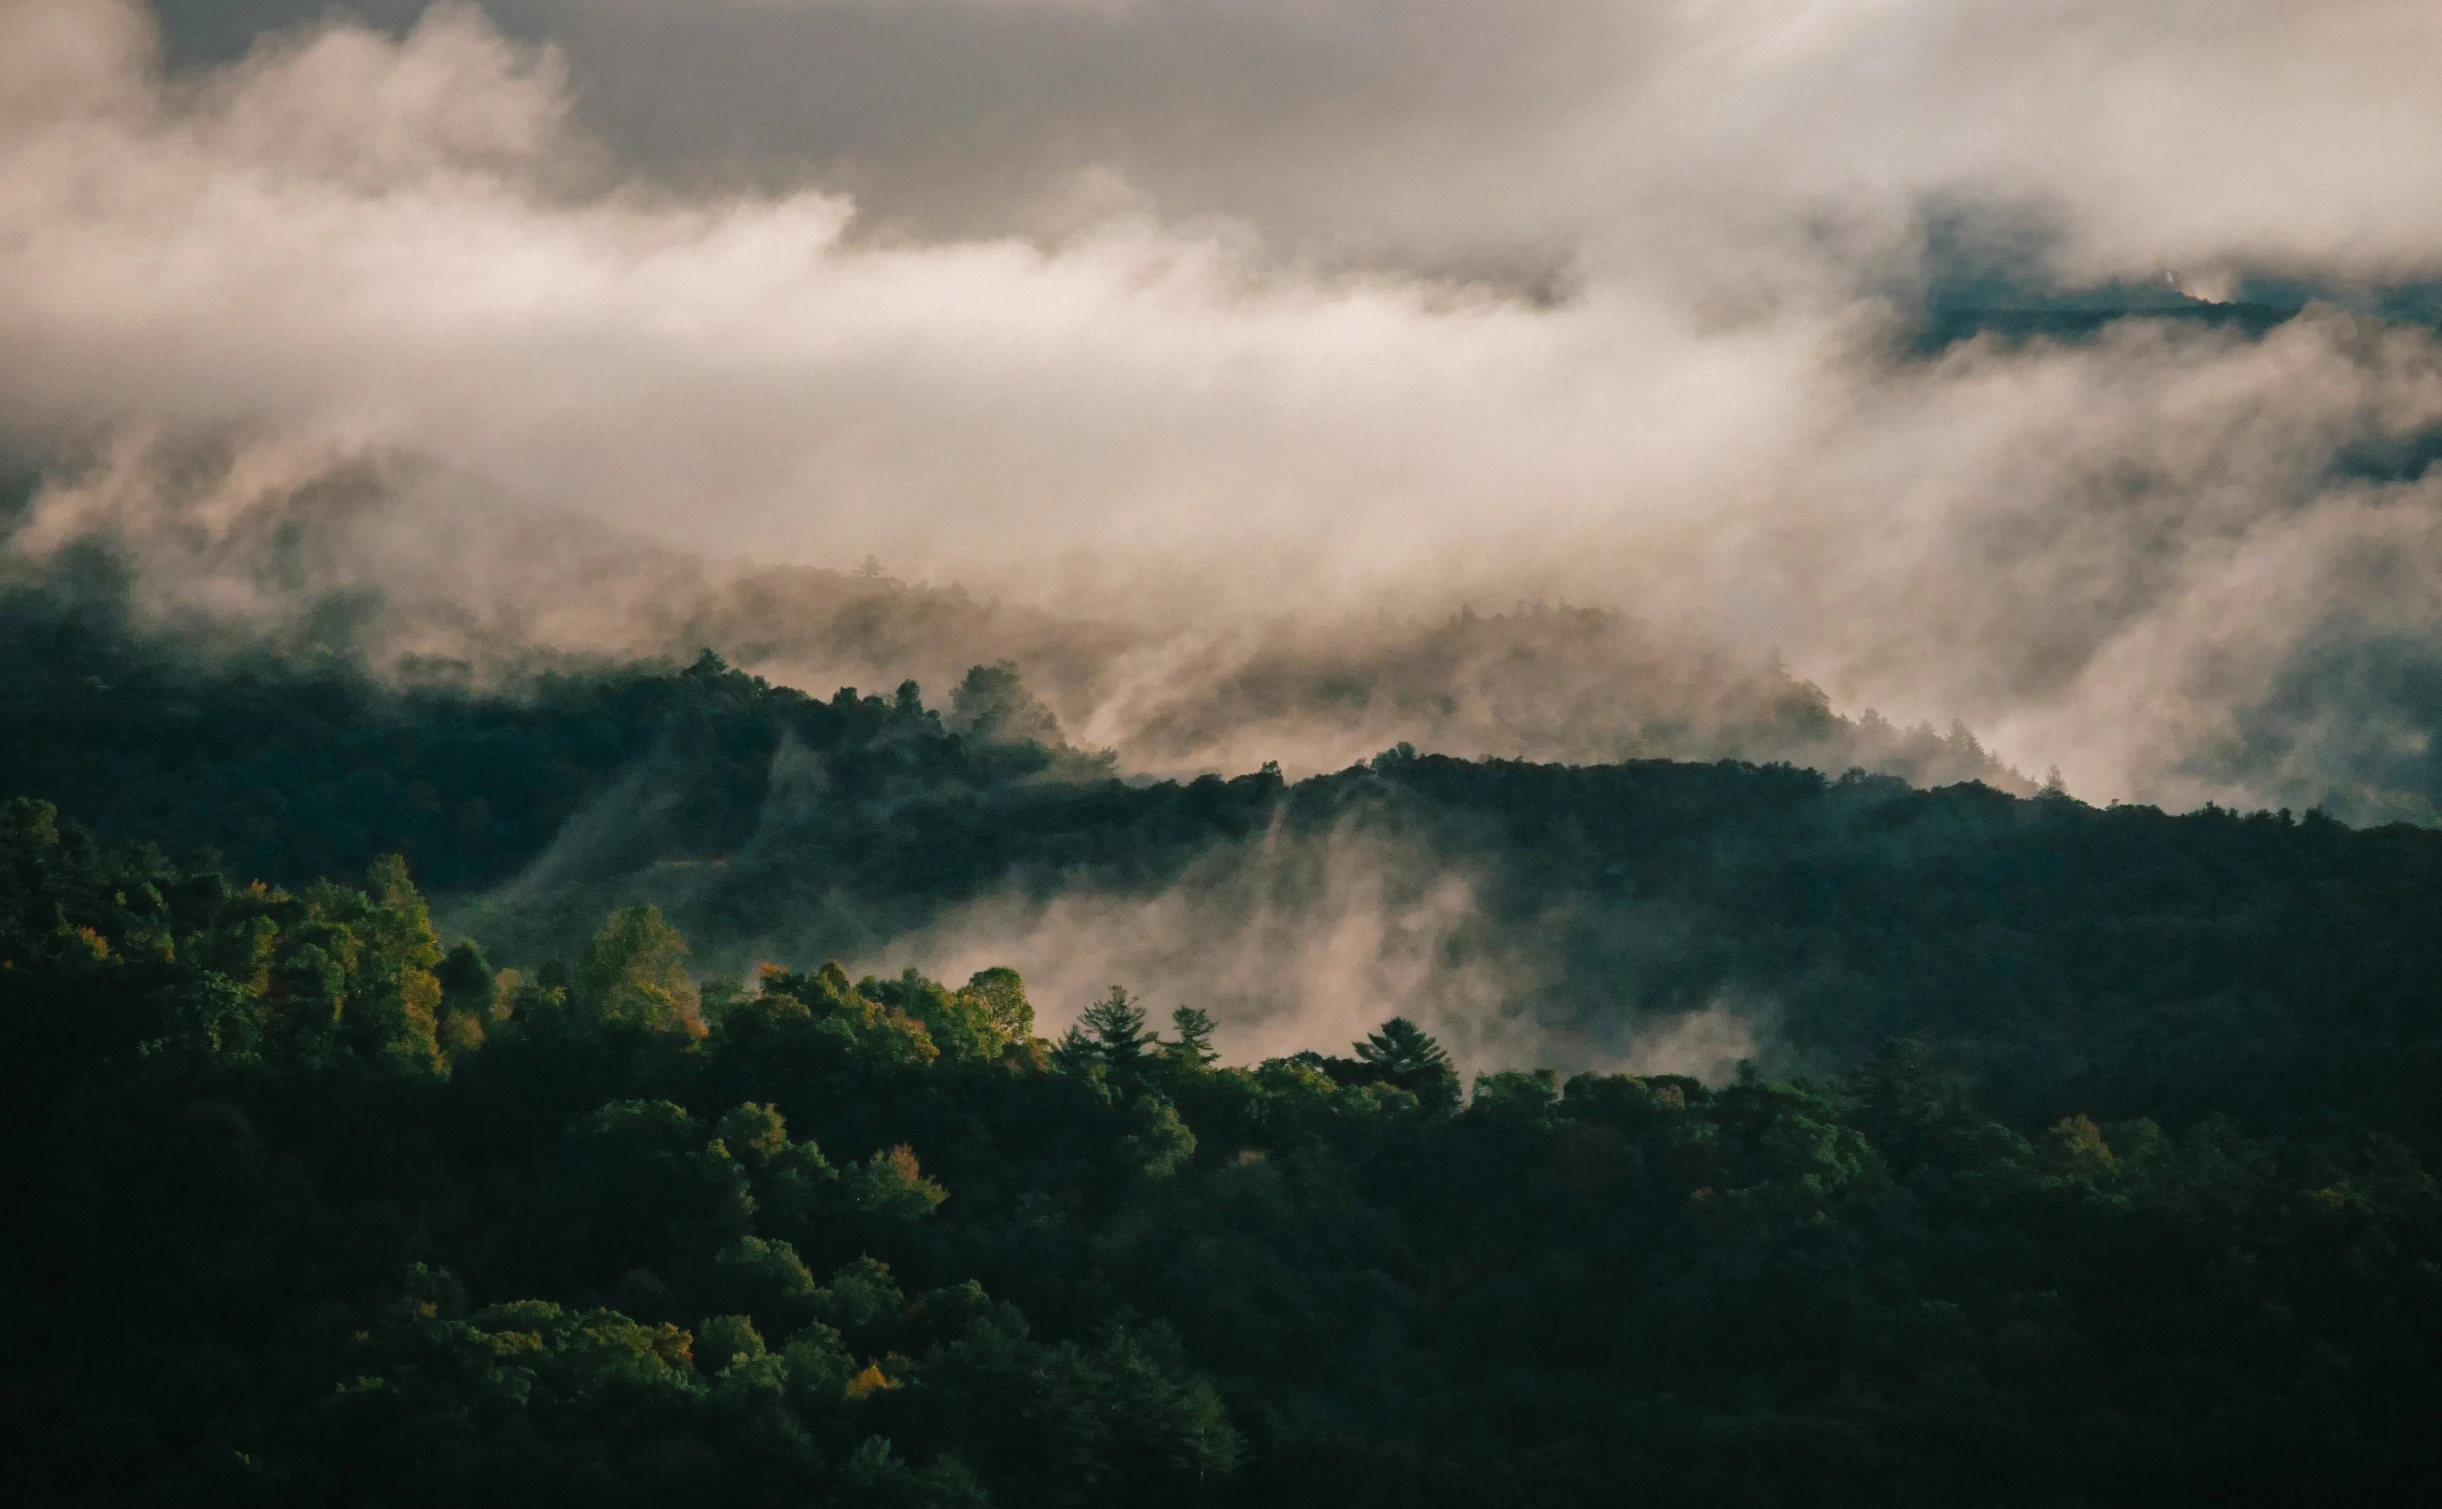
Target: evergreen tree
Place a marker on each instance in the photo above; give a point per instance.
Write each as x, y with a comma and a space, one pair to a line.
1116, 1026
1405, 1055
1194, 1036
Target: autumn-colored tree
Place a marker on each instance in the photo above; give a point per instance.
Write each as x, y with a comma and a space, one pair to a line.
635, 970
1003, 997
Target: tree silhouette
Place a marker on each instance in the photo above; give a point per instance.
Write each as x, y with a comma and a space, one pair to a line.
1407, 1056
1194, 1029
1116, 1026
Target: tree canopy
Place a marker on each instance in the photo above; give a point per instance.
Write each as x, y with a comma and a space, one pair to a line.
273, 1238
419, 1094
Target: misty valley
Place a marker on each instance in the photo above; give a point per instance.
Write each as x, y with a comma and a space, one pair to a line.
1220, 754
430, 1094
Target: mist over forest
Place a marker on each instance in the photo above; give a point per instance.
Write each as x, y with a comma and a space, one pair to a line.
1290, 752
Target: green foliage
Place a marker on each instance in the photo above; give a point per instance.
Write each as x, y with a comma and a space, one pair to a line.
1521, 1094
1115, 1026
1158, 1143
764, 1277
965, 1024
2121, 959
1191, 1031
267, 1254
2115, 1185
469, 990
635, 970
892, 1183
723, 1340
168, 957
991, 706
1405, 1055
1002, 997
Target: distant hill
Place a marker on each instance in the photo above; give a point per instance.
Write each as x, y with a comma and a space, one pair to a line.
2132, 961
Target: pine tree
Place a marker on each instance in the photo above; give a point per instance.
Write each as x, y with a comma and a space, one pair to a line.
1407, 1056
1195, 1034
1117, 1027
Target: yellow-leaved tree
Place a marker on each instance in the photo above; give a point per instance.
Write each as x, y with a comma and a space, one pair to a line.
635, 970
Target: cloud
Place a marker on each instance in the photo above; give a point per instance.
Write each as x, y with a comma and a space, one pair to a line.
1307, 933
1302, 940
1248, 384
1449, 131
405, 571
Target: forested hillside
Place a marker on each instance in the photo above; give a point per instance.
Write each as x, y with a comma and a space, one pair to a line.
2119, 959
1220, 754
305, 1210
2085, 1157
358, 563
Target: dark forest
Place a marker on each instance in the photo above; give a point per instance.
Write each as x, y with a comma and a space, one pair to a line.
2091, 1165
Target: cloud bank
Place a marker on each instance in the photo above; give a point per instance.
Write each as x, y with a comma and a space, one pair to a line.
1192, 317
